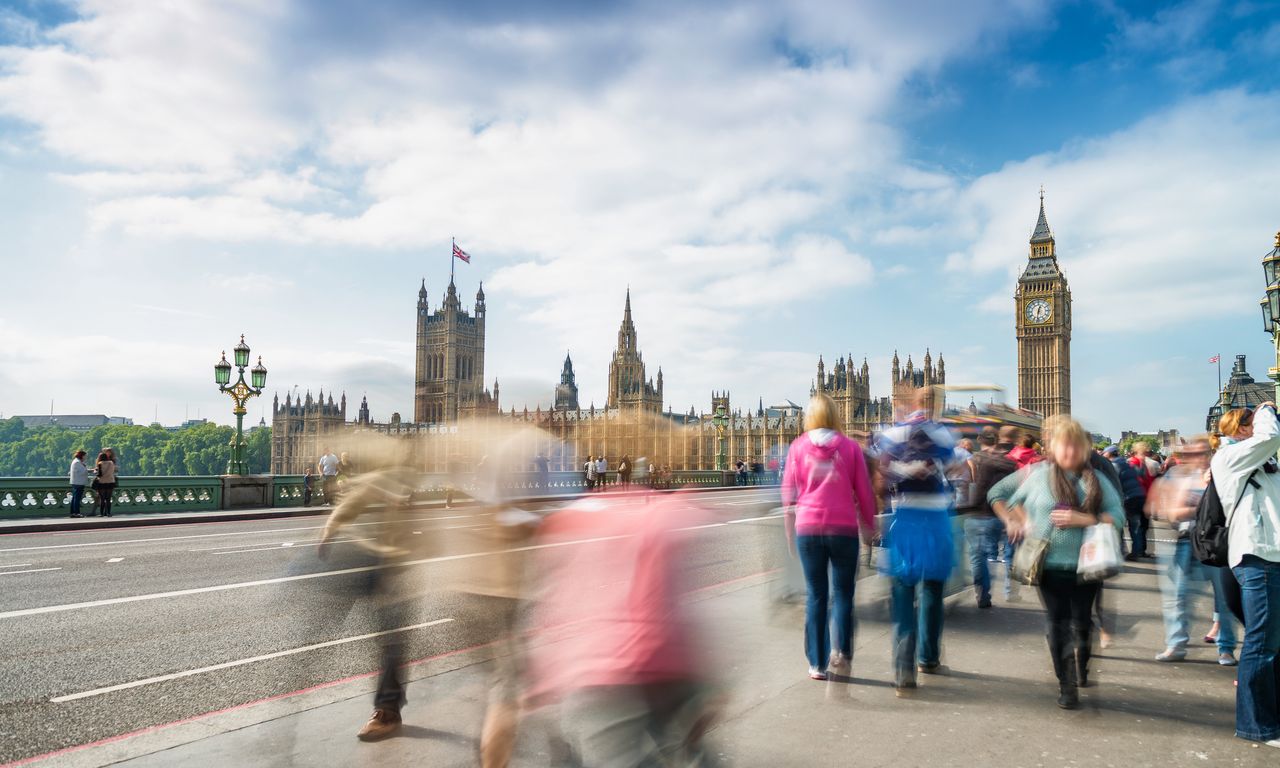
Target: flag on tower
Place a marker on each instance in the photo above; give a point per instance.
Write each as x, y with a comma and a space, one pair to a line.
1215, 359
458, 253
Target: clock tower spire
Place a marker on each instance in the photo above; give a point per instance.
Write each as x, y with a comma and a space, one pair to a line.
1042, 302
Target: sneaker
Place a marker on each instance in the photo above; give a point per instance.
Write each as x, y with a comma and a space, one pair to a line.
1227, 659
1171, 654
984, 602
817, 674
1273, 743
839, 664
930, 669
382, 724
905, 690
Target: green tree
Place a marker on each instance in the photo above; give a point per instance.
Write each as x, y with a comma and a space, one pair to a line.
141, 451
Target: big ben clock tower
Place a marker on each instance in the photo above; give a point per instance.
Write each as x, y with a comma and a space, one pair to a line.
1043, 306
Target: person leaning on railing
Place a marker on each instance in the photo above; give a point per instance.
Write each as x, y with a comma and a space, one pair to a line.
1251, 502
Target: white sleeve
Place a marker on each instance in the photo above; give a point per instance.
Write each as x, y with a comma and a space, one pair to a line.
1248, 455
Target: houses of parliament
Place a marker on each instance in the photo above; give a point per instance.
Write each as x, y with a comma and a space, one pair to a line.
454, 411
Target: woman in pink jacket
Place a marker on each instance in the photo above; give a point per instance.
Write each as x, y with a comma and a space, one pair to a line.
828, 498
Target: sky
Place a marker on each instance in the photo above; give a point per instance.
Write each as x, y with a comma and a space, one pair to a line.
774, 182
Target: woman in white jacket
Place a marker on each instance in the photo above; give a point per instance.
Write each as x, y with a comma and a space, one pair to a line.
1248, 484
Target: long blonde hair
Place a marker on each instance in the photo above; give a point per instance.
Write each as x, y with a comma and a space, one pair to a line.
1231, 422
821, 413
1067, 430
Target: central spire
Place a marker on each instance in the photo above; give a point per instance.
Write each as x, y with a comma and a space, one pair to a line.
1042, 233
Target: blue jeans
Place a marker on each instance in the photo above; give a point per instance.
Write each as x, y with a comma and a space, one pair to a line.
1180, 575
982, 538
77, 496
911, 622
1258, 693
840, 555
1221, 611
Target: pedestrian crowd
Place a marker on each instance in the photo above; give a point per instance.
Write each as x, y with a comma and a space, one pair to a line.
1059, 516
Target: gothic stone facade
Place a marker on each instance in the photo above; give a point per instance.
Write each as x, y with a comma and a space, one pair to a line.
861, 413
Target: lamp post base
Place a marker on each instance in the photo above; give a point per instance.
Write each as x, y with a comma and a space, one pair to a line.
247, 491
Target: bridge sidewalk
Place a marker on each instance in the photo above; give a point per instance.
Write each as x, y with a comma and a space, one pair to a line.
996, 705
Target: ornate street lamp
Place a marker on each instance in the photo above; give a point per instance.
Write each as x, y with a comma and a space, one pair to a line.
1271, 307
240, 392
721, 421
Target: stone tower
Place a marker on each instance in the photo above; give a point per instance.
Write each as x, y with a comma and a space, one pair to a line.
567, 389
628, 387
449, 376
1042, 303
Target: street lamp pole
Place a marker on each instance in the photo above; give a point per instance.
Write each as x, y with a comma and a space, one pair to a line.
721, 421
240, 392
1271, 309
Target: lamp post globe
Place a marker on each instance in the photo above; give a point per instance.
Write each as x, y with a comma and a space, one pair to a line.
258, 375
242, 353
222, 371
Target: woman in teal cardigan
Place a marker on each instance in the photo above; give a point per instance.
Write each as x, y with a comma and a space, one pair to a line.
1055, 501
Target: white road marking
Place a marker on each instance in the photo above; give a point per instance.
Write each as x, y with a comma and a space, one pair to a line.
115, 560
209, 535
282, 546
284, 579
238, 662
15, 565
32, 570
753, 519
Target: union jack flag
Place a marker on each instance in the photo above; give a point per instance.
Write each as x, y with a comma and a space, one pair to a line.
1214, 359
458, 253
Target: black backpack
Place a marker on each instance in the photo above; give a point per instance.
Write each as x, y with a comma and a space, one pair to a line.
1209, 542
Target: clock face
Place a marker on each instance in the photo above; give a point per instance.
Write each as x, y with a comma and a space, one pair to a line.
1039, 311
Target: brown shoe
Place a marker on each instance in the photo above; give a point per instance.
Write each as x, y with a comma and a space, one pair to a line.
382, 724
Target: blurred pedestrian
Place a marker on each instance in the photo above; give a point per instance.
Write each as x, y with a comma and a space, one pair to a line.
914, 456
328, 467
1025, 452
828, 499
624, 472
1055, 503
602, 472
982, 528
1174, 498
1251, 501
542, 473
1135, 502
590, 469
308, 483
1144, 464
105, 482
79, 477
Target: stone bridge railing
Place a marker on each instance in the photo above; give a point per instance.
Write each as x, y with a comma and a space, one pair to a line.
23, 497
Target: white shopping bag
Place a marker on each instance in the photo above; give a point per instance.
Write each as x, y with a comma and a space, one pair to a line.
1099, 553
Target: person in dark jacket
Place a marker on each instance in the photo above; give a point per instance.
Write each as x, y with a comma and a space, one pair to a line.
1135, 502
982, 528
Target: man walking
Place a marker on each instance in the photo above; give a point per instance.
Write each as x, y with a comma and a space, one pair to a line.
79, 476
1135, 502
328, 466
982, 528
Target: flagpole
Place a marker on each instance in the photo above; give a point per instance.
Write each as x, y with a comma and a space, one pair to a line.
1219, 374
454, 244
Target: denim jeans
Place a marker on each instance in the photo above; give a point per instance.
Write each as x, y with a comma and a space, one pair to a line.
981, 538
1222, 612
1136, 517
817, 555
1258, 693
912, 622
77, 496
1182, 578
1006, 549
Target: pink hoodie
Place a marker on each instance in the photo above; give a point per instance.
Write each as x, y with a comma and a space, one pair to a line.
826, 479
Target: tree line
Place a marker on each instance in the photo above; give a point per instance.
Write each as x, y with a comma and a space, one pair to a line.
143, 451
